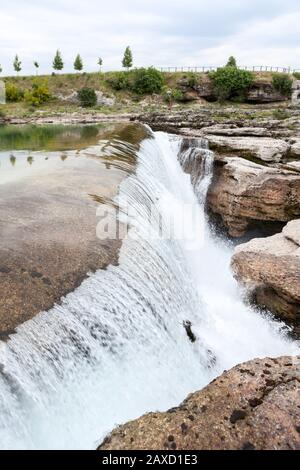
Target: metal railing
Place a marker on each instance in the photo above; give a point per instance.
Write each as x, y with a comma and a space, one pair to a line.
254, 68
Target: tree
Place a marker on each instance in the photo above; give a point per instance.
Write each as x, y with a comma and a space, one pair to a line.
127, 59
58, 62
100, 62
1, 70
78, 65
17, 64
231, 62
36, 64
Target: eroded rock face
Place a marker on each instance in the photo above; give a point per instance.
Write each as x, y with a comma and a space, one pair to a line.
270, 268
243, 193
253, 406
262, 91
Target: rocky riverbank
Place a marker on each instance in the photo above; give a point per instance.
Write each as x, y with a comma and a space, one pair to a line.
254, 406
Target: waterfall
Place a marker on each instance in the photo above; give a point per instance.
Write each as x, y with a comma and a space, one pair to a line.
116, 347
196, 159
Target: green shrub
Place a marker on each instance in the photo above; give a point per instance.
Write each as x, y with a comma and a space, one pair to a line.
140, 81
297, 75
121, 81
283, 83
13, 93
147, 81
39, 93
231, 83
87, 97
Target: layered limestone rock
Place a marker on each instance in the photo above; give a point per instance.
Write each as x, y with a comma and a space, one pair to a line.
262, 148
270, 268
243, 194
253, 406
227, 121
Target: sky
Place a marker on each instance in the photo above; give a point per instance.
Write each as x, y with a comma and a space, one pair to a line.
161, 33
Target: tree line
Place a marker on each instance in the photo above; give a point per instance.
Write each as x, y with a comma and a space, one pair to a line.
58, 63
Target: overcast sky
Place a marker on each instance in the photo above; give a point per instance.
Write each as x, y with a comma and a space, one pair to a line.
160, 32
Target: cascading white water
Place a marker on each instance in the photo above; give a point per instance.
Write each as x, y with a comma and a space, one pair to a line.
116, 347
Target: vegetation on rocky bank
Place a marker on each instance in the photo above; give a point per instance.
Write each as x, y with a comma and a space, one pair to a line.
129, 90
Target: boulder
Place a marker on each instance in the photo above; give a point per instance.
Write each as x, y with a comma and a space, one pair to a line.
262, 148
270, 268
254, 406
243, 194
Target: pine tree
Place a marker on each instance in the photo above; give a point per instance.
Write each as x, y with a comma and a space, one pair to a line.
231, 62
100, 63
37, 65
17, 64
1, 70
58, 62
78, 65
127, 59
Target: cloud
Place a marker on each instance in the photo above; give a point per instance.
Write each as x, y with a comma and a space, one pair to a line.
161, 33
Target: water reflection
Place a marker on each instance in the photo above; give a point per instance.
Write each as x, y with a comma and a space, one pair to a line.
43, 148
48, 137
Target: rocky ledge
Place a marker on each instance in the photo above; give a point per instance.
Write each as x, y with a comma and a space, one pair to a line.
245, 195
270, 268
253, 406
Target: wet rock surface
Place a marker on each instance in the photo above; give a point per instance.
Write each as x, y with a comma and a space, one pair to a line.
254, 406
270, 268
